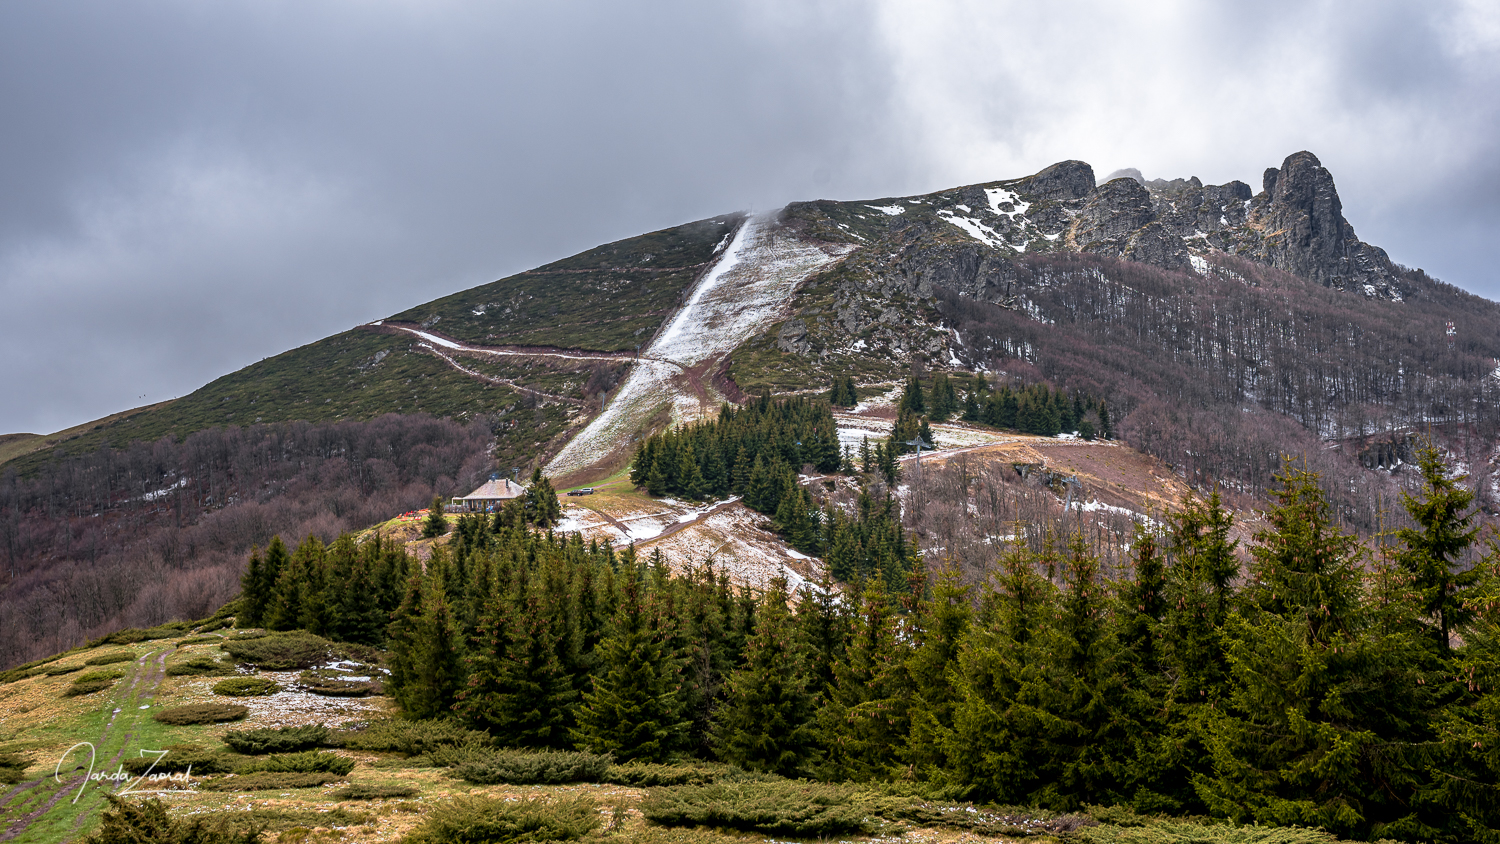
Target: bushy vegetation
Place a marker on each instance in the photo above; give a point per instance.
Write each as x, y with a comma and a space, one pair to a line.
201, 713
329, 683
651, 774
305, 762
135, 821
13, 767
491, 820
789, 807
282, 651
277, 739
199, 666
363, 791
246, 687
521, 767
90, 682
110, 659
60, 670
412, 738
270, 781
179, 757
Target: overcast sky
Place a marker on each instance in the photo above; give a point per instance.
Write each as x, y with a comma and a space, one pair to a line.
188, 187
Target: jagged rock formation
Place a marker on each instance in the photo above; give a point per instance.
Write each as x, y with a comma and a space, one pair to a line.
1295, 224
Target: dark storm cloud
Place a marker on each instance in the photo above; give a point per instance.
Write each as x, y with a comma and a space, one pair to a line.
186, 188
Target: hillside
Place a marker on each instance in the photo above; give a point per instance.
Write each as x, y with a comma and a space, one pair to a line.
1224, 329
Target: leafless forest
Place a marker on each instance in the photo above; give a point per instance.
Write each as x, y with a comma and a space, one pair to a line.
160, 531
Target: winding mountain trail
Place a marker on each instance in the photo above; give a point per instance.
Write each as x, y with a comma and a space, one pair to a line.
24, 808
740, 294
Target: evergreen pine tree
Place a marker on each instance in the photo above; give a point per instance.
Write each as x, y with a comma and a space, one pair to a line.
436, 524
943, 621
863, 719
257, 592
766, 720
1431, 551
633, 710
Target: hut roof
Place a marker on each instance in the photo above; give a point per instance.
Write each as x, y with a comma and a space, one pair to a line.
496, 490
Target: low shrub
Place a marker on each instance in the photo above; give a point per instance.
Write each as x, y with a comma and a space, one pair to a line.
1168, 832
276, 819
92, 681
249, 634
525, 767
328, 683
16, 674
276, 739
484, 820
648, 775
282, 651
215, 624
790, 807
201, 713
198, 640
59, 670
306, 762
133, 635
411, 738
360, 791
110, 659
30, 669
133, 821
13, 767
270, 781
199, 666
1013, 822
179, 758
246, 687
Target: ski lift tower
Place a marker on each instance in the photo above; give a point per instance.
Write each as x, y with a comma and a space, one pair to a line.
919, 444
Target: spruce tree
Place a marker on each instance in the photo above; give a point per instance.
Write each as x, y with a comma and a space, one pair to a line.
256, 591
436, 524
943, 622
1312, 732
863, 719
766, 720
1432, 550
634, 711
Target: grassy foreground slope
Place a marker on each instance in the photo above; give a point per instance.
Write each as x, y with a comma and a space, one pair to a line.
366, 778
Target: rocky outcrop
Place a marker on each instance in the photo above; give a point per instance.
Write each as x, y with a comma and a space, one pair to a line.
1114, 211
1302, 230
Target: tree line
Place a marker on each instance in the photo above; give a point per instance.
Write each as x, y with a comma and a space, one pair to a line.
1326, 686
713, 459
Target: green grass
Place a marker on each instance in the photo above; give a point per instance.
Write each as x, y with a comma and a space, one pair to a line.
610, 298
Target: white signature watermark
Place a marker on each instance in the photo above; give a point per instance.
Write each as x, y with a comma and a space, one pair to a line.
119, 774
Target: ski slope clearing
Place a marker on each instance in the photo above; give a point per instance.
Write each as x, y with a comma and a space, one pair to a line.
745, 289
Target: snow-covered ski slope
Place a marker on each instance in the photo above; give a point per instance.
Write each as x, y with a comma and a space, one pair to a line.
743, 292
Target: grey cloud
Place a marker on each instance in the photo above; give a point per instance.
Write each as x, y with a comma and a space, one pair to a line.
187, 188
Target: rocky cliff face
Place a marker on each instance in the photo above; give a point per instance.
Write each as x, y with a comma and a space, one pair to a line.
966, 240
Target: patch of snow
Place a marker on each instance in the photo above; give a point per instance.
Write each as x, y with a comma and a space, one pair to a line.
164, 492
744, 291
797, 555
1000, 196
1200, 265
893, 210
479, 311
964, 208
975, 229
1370, 290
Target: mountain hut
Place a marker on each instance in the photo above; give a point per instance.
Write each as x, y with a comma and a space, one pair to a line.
490, 497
